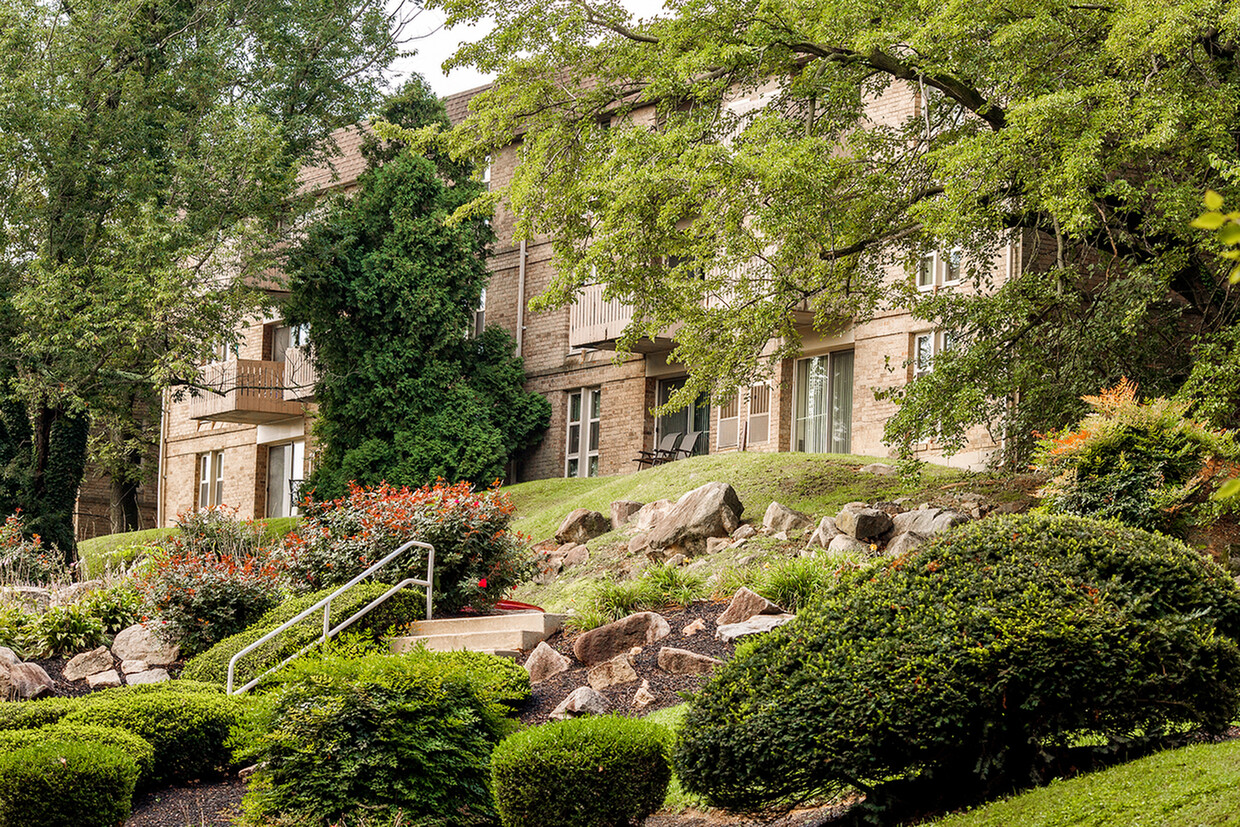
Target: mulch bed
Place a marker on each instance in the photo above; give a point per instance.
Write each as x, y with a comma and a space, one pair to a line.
55, 668
212, 803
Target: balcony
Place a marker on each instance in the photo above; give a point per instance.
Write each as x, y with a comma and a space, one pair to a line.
595, 323
299, 375
243, 390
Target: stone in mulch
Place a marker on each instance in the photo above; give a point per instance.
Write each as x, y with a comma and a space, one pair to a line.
142, 641
609, 640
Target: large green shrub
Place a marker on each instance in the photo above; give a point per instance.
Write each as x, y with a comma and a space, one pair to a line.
496, 679
212, 665
189, 731
377, 735
960, 662
35, 714
587, 772
78, 784
132, 745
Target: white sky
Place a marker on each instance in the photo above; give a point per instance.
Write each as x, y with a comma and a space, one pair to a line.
439, 44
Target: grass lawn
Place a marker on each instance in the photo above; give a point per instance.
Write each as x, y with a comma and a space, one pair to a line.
677, 799
1196, 786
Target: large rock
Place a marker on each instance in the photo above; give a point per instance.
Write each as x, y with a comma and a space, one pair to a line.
713, 510
544, 662
581, 701
31, 681
605, 642
87, 664
863, 523
582, 525
548, 567
27, 598
946, 520
610, 673
744, 532
744, 605
576, 555
753, 626
7, 689
927, 521
142, 641
149, 676
622, 511
848, 545
7, 655
904, 543
132, 667
882, 469
651, 514
107, 680
825, 533
780, 517
74, 592
683, 662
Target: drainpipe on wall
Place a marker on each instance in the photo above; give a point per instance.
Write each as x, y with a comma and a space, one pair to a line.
521, 300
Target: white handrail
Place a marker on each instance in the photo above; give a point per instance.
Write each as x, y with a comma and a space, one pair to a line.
325, 604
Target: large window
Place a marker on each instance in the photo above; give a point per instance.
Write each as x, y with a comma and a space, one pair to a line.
758, 429
928, 345
581, 452
824, 403
690, 418
210, 479
285, 466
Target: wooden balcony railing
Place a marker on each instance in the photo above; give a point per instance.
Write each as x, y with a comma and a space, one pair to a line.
299, 375
595, 323
243, 390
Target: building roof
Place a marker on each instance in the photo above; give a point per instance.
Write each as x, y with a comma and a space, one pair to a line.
458, 104
342, 168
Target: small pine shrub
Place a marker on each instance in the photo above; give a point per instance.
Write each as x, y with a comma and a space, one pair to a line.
189, 731
132, 745
587, 772
378, 735
80, 784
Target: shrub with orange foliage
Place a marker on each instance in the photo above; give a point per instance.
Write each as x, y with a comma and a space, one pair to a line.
477, 557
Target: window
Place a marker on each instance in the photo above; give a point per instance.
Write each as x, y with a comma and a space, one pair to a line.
928, 345
581, 452
486, 172
480, 314
729, 422
689, 418
285, 464
926, 265
759, 427
824, 403
953, 266
282, 337
210, 479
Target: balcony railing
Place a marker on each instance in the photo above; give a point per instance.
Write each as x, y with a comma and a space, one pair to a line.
299, 375
243, 390
596, 323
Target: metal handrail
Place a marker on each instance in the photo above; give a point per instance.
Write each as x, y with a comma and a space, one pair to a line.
326, 605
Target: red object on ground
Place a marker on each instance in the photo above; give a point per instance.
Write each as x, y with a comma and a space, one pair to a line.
516, 606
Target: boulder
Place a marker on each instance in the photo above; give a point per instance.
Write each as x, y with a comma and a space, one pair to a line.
712, 510
675, 560
622, 511
105, 680
548, 568
904, 543
863, 523
605, 642
744, 605
142, 641
581, 701
610, 673
149, 676
683, 662
8, 691
582, 525
693, 628
780, 517
74, 592
714, 545
638, 543
30, 681
882, 469
927, 521
544, 662
132, 667
753, 626
824, 533
576, 555
7, 655
651, 513
87, 664
946, 520
846, 544
643, 697
744, 532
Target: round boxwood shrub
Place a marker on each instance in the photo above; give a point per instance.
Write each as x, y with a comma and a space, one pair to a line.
958, 664
137, 748
188, 730
586, 772
80, 784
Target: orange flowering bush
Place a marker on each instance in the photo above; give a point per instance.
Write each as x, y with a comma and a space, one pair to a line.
478, 558
25, 560
212, 579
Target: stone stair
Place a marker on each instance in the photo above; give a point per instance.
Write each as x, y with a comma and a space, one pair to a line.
509, 634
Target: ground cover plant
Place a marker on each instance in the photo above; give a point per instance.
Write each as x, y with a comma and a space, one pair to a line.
478, 559
955, 669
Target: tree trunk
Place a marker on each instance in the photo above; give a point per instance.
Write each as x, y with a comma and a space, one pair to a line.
59, 463
123, 508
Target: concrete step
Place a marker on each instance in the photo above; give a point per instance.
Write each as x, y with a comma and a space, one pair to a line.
493, 633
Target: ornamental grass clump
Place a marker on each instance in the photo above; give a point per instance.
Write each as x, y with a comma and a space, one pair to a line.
603, 771
478, 558
958, 669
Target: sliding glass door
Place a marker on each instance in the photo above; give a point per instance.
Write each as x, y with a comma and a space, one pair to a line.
824, 403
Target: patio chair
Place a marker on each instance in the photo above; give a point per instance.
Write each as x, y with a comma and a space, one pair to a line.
664, 449
683, 449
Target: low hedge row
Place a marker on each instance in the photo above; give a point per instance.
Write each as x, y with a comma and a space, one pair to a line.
135, 746
80, 784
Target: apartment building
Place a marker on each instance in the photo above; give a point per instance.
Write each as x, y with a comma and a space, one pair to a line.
249, 445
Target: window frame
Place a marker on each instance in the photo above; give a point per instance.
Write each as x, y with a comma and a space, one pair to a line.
933, 270
588, 424
210, 479
750, 416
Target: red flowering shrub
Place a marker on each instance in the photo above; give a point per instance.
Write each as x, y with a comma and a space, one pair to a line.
25, 561
212, 579
477, 558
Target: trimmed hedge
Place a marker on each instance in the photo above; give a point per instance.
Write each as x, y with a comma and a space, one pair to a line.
188, 730
607, 771
212, 665
35, 714
956, 667
66, 785
136, 747
496, 679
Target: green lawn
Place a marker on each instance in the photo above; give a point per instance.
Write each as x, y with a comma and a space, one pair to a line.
1196, 786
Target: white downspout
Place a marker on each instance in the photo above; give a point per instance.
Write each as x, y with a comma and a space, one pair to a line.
521, 300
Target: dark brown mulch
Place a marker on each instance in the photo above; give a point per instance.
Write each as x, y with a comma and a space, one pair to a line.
547, 695
210, 803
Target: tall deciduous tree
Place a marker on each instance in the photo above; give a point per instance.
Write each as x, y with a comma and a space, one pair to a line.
147, 150
1091, 127
408, 391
